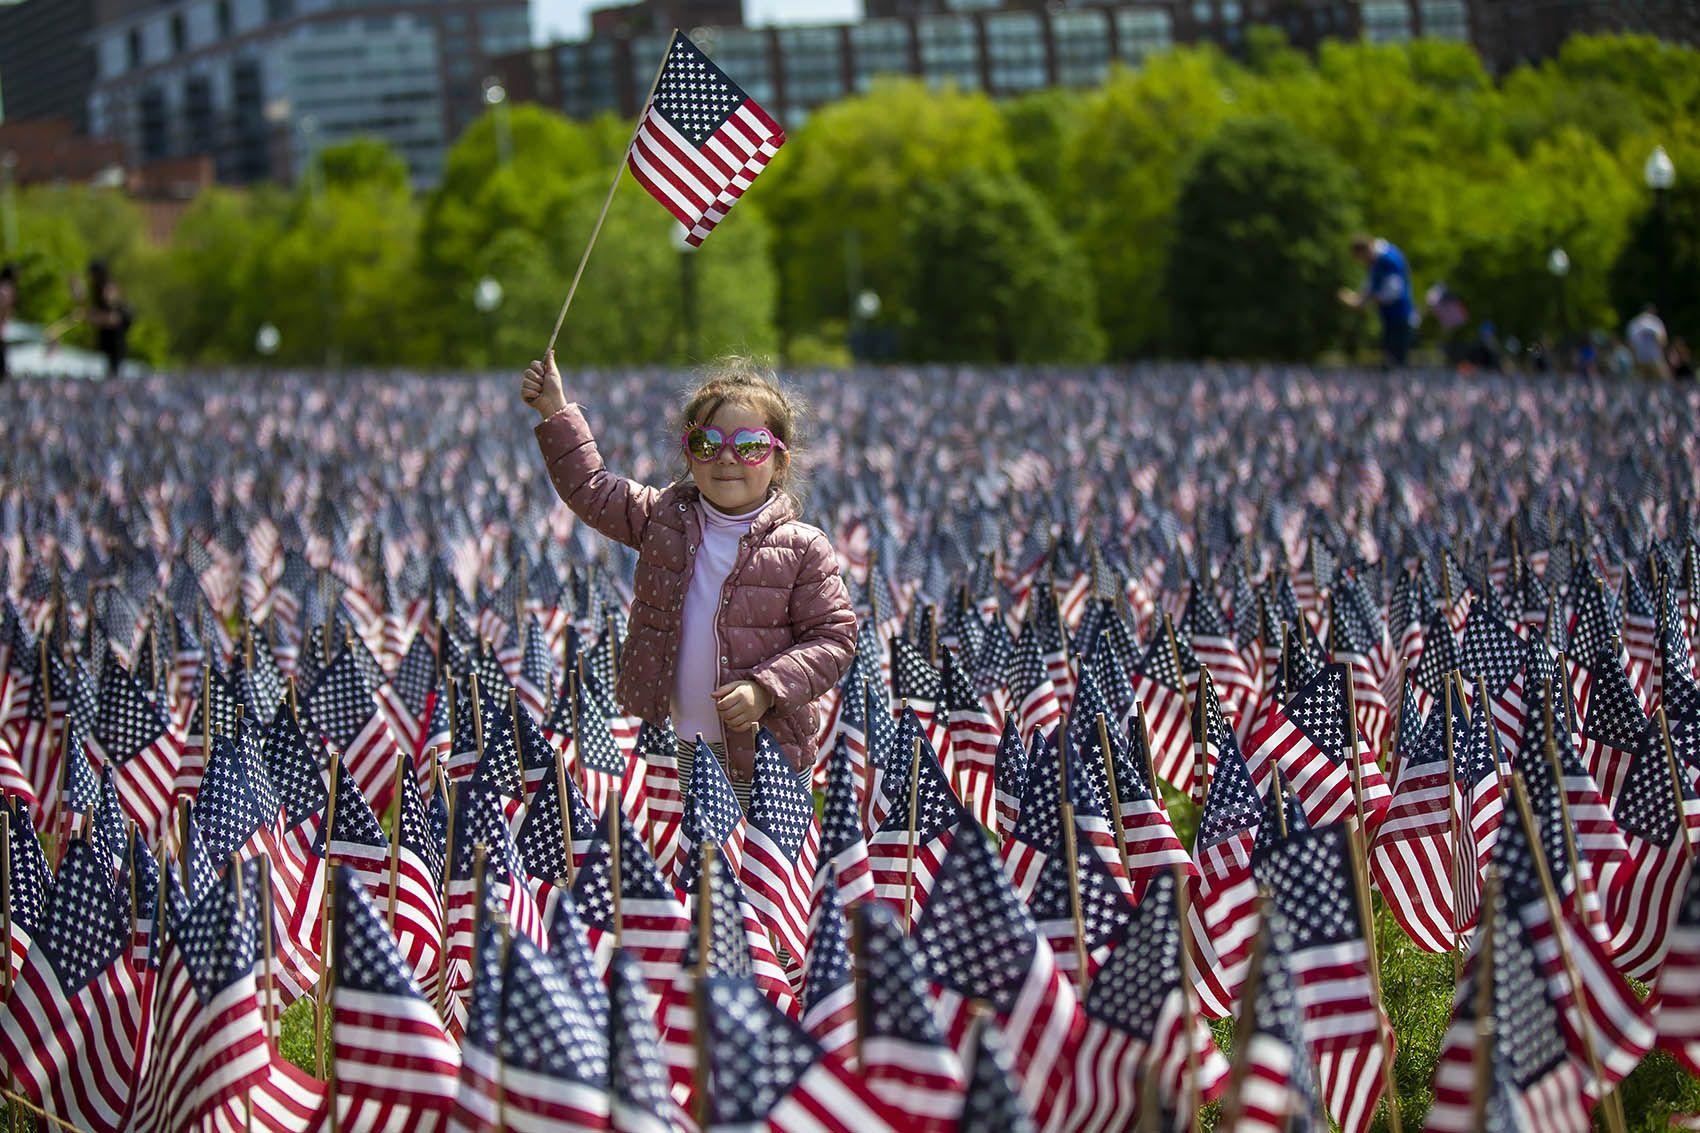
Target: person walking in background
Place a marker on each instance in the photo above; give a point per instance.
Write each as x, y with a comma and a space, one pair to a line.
1647, 341
103, 308
8, 303
1388, 286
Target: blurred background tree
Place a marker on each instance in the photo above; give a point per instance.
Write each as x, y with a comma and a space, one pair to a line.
1043, 227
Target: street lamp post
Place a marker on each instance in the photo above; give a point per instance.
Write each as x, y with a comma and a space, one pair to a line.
487, 297
496, 98
1659, 173
1558, 266
687, 289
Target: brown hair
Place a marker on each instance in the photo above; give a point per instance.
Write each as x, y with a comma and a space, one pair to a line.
751, 383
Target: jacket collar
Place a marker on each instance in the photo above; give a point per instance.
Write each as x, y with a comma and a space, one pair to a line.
777, 510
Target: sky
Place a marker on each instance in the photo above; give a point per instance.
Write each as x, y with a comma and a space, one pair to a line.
566, 19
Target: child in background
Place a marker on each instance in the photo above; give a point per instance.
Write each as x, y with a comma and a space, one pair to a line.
739, 616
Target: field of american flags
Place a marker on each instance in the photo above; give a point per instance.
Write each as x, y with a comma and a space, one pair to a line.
280, 574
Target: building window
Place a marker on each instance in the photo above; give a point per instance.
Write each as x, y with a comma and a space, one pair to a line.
179, 39
279, 10
198, 115
950, 51
881, 48
133, 47
1015, 51
1446, 19
1081, 41
1142, 32
588, 85
814, 66
155, 134
742, 53
1387, 21
221, 12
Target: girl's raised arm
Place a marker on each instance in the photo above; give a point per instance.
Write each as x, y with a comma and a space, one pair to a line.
617, 507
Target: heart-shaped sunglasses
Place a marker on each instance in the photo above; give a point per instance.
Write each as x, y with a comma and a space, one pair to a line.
705, 443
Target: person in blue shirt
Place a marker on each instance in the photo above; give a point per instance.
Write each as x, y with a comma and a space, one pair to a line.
1388, 286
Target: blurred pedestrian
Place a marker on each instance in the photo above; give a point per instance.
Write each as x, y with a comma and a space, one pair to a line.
1450, 314
1387, 285
1680, 360
1647, 341
8, 303
107, 314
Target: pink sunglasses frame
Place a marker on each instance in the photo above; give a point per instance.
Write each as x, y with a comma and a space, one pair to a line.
726, 441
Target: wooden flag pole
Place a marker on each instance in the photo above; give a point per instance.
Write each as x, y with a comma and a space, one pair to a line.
57, 1122
267, 945
1484, 1008
325, 913
1115, 790
324, 1015
1189, 1005
566, 814
477, 715
1614, 1120
705, 942
1355, 838
1675, 783
619, 172
1067, 813
1150, 760
1454, 829
395, 834
6, 899
614, 837
859, 981
450, 791
1245, 1027
909, 839
1568, 824
1200, 740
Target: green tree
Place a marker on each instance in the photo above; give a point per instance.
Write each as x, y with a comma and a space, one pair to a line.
993, 278
1660, 260
1121, 175
211, 282
1260, 241
836, 191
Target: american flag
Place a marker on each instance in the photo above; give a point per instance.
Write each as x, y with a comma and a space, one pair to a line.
1226, 909
1493, 653
569, 948
1140, 1016
1105, 898
1616, 1025
1032, 692
904, 856
134, 738
1212, 639
1412, 857
29, 742
653, 922
536, 754
1530, 1080
395, 1065
639, 1095
903, 1055
972, 740
1160, 685
711, 816
829, 1002
1641, 897
916, 681
478, 1094
1312, 879
554, 1068
415, 682
1358, 640
1276, 1071
1675, 998
604, 766
765, 1072
554, 837
480, 823
781, 846
68, 1031
416, 909
991, 1103
28, 884
1613, 723
977, 941
1309, 740
659, 749
1010, 777
207, 1032
843, 849
344, 711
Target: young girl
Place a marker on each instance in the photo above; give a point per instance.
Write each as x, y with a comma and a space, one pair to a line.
739, 617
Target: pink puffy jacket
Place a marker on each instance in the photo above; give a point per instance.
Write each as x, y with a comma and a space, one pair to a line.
785, 620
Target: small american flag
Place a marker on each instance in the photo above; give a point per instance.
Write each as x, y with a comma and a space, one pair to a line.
554, 1070
829, 1005
395, 1065
1413, 855
926, 842
781, 845
1010, 778
1279, 1092
843, 858
904, 1057
640, 1099
133, 736
1138, 1016
1641, 897
69, 1030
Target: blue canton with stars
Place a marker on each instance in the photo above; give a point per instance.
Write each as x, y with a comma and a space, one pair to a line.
974, 935
828, 966
756, 1054
367, 958
545, 1027
637, 1076
895, 999
780, 805
1144, 967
